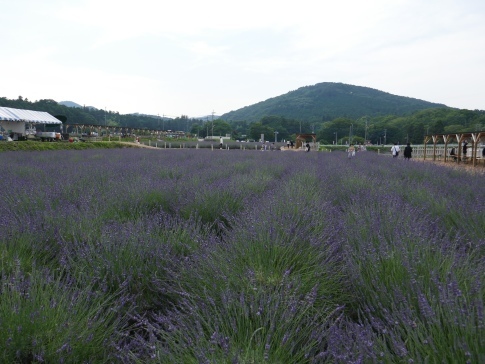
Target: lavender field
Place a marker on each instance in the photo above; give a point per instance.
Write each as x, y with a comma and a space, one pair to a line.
199, 256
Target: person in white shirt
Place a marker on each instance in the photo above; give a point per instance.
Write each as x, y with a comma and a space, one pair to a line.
351, 151
395, 150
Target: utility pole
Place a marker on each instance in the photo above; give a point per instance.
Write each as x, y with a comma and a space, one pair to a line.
213, 124
385, 136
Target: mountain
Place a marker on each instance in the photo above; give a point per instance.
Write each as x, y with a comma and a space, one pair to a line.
74, 104
327, 101
207, 117
69, 104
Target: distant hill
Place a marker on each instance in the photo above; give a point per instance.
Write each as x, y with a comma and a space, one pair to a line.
69, 104
327, 101
74, 104
207, 117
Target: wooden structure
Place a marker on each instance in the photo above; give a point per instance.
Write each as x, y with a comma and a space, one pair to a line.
302, 138
475, 140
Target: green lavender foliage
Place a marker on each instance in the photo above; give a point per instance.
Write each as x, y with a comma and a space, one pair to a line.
190, 256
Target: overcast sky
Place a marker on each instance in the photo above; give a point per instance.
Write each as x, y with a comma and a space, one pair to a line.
195, 57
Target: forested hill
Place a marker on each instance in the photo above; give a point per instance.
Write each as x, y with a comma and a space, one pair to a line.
327, 101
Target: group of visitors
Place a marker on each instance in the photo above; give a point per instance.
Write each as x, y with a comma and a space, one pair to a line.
290, 144
464, 149
395, 149
408, 151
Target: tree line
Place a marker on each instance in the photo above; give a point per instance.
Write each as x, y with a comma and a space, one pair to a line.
375, 129
401, 129
100, 117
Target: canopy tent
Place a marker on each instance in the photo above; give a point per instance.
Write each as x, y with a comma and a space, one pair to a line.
29, 116
16, 121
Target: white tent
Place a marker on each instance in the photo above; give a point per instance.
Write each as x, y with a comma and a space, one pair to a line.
34, 117
15, 120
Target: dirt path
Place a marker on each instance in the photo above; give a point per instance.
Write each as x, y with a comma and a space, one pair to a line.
139, 145
479, 169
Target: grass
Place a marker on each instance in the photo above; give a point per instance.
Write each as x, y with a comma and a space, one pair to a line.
35, 146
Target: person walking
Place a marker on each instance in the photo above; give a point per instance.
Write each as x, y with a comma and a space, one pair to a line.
408, 151
307, 147
465, 146
395, 150
351, 151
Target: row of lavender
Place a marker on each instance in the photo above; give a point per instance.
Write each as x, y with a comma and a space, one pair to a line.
211, 257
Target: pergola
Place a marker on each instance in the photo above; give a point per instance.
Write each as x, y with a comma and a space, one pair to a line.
301, 138
473, 138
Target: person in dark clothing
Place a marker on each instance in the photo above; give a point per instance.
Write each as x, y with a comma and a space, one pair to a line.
408, 152
307, 147
453, 154
464, 150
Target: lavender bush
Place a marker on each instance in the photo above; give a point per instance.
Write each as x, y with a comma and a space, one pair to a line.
200, 256
46, 318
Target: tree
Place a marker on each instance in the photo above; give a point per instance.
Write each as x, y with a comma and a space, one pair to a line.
240, 129
438, 127
339, 127
454, 129
257, 129
221, 127
198, 130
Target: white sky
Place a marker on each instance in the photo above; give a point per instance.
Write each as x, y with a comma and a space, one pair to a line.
194, 57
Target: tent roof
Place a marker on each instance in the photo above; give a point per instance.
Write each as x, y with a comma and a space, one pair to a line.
36, 117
